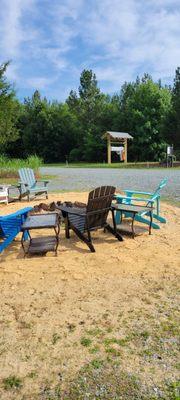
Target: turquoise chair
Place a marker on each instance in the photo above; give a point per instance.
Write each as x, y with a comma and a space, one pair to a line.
10, 226
152, 199
28, 185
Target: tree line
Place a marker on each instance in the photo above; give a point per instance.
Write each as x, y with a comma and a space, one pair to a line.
73, 130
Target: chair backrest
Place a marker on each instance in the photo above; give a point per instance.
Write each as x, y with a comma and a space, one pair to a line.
160, 186
98, 206
27, 176
156, 194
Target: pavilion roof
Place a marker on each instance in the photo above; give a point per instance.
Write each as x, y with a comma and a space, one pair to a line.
117, 135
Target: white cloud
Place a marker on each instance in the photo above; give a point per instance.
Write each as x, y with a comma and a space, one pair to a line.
12, 34
50, 42
39, 83
134, 36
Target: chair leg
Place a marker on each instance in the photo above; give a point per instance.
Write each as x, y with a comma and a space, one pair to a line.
116, 234
114, 229
67, 227
159, 218
90, 242
86, 240
146, 221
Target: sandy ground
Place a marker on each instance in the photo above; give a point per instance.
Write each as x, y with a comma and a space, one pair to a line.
48, 304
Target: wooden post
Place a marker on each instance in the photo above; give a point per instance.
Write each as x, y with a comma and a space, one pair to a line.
125, 150
109, 149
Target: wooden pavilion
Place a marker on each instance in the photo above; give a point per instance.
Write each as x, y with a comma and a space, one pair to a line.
116, 138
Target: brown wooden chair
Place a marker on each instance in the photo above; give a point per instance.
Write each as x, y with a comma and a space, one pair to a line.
84, 220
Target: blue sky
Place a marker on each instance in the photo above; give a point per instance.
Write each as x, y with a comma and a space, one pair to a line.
51, 41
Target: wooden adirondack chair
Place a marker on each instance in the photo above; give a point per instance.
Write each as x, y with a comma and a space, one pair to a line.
152, 199
28, 184
10, 226
93, 217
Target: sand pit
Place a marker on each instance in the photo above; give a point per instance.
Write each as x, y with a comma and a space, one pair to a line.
116, 307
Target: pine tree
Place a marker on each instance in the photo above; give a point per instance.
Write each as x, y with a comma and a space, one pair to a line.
9, 108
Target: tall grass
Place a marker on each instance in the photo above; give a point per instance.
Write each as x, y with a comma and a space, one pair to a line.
9, 167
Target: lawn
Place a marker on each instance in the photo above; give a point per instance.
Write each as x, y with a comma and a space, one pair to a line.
113, 165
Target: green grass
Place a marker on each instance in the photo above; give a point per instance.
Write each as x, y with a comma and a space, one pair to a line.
94, 332
113, 165
12, 382
9, 167
86, 342
8, 181
94, 350
55, 338
33, 374
14, 181
100, 380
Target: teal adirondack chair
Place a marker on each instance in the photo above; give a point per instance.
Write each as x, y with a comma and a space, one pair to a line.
28, 185
10, 226
152, 199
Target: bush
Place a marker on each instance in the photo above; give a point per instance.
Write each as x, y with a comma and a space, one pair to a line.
10, 167
75, 155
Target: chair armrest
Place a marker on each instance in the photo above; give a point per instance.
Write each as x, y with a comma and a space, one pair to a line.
22, 183
137, 192
135, 198
17, 213
76, 213
41, 181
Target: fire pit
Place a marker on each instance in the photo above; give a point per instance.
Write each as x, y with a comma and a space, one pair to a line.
43, 208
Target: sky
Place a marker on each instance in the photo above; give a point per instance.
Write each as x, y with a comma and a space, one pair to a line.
50, 42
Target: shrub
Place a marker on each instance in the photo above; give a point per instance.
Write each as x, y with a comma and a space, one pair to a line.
9, 167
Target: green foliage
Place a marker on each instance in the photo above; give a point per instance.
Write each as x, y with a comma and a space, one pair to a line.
144, 108
47, 129
10, 167
172, 125
12, 382
89, 109
55, 338
73, 130
75, 155
86, 342
9, 110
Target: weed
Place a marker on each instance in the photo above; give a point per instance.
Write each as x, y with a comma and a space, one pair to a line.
145, 335
71, 327
49, 393
95, 332
9, 167
12, 382
86, 342
97, 363
170, 327
120, 342
173, 390
25, 325
32, 374
94, 350
109, 329
113, 351
55, 338
99, 380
